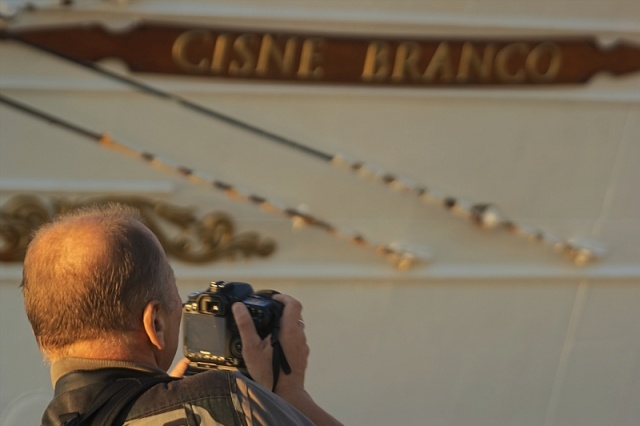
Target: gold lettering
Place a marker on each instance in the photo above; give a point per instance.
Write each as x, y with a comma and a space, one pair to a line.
502, 62
282, 60
376, 63
407, 57
246, 62
539, 52
440, 64
470, 61
311, 59
219, 53
179, 50
267, 55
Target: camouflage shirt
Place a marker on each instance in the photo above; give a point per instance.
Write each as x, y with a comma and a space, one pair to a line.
204, 399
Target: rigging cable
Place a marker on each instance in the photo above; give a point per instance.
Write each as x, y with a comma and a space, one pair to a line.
483, 215
399, 257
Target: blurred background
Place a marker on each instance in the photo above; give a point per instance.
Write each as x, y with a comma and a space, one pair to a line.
458, 324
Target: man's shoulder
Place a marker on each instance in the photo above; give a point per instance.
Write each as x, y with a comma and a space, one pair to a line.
214, 397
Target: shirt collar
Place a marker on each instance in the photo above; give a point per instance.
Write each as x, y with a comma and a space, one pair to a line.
66, 365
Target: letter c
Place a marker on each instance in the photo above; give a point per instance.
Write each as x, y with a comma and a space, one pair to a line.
179, 48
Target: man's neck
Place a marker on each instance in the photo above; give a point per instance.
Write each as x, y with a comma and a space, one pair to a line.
66, 365
122, 348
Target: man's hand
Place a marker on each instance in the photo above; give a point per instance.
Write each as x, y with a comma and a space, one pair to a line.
258, 353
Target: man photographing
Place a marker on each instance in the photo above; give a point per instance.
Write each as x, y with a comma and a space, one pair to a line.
102, 301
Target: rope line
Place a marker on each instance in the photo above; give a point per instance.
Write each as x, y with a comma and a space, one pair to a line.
483, 215
402, 259
154, 91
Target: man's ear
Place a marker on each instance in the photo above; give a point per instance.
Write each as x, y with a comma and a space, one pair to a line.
154, 325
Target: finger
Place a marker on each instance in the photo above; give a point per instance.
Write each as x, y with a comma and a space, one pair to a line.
292, 308
180, 368
291, 320
246, 327
256, 352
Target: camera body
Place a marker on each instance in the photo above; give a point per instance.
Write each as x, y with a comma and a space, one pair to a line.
210, 334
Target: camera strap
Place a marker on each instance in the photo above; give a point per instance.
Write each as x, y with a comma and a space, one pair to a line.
112, 404
278, 359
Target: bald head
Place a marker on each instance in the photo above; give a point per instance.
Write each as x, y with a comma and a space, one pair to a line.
89, 275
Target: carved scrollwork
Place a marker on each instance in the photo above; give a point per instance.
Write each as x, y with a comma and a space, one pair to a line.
183, 236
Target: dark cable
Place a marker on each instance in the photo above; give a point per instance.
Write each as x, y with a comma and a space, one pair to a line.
145, 88
50, 118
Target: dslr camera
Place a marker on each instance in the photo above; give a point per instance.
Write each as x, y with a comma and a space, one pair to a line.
210, 333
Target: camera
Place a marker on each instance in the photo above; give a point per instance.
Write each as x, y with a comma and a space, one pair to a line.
210, 334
